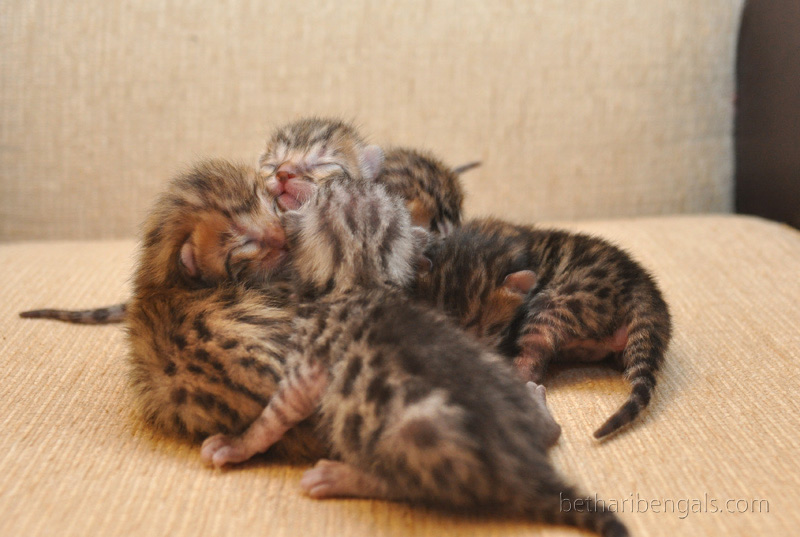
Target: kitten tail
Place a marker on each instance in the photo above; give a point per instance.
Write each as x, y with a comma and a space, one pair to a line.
642, 357
107, 315
585, 512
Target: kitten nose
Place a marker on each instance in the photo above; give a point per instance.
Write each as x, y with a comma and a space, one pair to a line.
285, 172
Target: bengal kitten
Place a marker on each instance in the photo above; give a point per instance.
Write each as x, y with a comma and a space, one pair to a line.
545, 295
413, 409
211, 311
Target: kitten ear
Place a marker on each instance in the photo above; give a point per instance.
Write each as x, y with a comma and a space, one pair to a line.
424, 264
187, 259
371, 161
520, 282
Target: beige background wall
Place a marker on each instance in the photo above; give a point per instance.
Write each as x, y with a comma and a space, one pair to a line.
602, 109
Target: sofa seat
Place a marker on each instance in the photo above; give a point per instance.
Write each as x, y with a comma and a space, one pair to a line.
724, 425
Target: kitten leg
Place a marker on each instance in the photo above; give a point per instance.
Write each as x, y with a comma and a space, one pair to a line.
296, 398
552, 428
537, 348
332, 479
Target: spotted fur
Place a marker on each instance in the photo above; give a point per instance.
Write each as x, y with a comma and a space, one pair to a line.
414, 409
207, 354
590, 301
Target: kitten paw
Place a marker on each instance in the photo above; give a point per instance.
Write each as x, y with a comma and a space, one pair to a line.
331, 479
537, 391
220, 449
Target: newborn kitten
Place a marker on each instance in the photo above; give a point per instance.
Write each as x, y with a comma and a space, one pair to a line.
206, 354
548, 295
413, 409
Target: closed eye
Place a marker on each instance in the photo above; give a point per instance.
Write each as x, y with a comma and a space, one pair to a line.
238, 256
268, 168
327, 167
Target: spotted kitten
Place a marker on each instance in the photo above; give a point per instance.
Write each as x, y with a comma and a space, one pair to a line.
207, 354
547, 295
413, 409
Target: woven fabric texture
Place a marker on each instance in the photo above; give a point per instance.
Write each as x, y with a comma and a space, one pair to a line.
577, 109
75, 460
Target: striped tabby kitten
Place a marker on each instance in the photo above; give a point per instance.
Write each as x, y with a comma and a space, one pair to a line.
548, 295
413, 409
207, 354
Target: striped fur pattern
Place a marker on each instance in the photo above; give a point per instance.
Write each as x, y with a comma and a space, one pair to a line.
590, 301
432, 191
207, 354
412, 408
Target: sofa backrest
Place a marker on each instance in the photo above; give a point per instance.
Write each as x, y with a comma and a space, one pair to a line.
576, 109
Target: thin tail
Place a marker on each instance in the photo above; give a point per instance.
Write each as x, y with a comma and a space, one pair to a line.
642, 357
106, 315
458, 170
585, 512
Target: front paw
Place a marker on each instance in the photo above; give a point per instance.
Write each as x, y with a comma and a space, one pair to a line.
220, 449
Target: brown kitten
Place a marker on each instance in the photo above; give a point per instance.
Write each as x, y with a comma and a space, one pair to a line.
206, 354
432, 191
583, 299
415, 410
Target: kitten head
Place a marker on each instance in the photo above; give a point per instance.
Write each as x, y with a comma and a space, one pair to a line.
432, 190
305, 154
352, 234
214, 223
478, 277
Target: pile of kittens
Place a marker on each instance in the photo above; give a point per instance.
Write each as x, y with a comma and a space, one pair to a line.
332, 303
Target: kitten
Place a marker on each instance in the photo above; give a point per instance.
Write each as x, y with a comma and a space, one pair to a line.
211, 312
548, 295
413, 409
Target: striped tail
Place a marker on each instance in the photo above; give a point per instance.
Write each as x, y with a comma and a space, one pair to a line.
642, 357
107, 315
584, 512
458, 170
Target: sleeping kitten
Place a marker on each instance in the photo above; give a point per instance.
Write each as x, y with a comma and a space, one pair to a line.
548, 295
206, 354
413, 409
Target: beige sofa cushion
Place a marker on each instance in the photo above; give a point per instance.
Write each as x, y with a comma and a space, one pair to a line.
724, 424
577, 109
